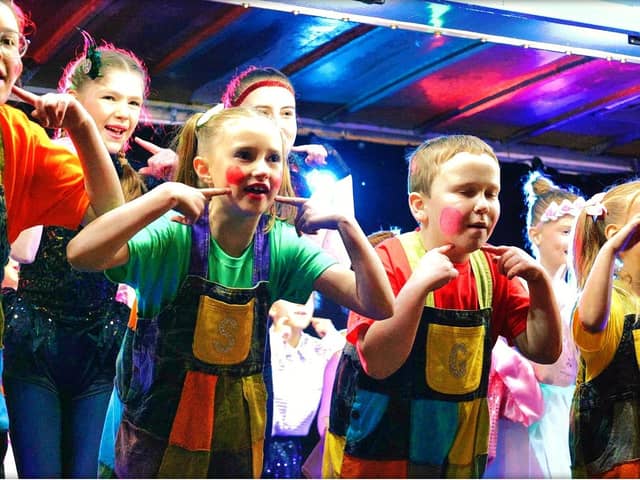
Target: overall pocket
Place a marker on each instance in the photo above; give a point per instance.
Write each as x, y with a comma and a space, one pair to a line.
223, 331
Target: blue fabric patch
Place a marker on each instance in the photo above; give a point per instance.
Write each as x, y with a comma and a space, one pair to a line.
366, 412
4, 414
433, 429
107, 452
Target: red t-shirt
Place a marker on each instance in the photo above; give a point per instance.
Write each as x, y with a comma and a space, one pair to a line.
510, 305
43, 182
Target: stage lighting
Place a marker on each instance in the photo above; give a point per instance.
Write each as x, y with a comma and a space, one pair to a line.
320, 180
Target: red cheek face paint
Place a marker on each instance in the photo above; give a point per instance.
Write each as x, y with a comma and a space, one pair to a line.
235, 176
276, 181
450, 221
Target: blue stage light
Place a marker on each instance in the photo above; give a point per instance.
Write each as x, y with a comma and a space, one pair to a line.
320, 180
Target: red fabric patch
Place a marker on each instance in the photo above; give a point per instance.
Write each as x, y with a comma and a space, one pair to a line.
193, 425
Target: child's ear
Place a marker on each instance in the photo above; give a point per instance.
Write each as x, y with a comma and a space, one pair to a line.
201, 168
610, 230
535, 236
418, 206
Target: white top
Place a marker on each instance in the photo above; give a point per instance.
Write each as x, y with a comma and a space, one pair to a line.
298, 375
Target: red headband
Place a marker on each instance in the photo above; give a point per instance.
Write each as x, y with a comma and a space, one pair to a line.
261, 83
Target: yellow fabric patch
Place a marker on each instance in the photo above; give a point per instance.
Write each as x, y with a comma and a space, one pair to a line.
473, 436
333, 455
255, 393
223, 331
180, 463
454, 358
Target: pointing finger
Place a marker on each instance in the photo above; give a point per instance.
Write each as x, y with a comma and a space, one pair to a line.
295, 201
493, 249
147, 145
25, 96
215, 191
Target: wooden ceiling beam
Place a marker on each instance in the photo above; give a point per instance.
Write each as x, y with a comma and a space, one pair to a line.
195, 39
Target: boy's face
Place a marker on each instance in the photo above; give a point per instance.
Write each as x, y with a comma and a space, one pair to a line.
463, 207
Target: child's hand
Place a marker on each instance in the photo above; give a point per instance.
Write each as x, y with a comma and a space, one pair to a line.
514, 261
627, 237
162, 164
435, 268
316, 154
322, 326
310, 218
190, 201
54, 110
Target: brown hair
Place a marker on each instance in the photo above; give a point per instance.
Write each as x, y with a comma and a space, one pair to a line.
425, 161
192, 136
589, 231
75, 77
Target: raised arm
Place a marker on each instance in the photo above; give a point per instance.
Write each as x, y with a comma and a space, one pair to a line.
385, 345
542, 340
365, 289
103, 243
594, 304
55, 110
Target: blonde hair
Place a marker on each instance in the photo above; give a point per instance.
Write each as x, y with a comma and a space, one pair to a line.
589, 234
540, 192
192, 137
425, 161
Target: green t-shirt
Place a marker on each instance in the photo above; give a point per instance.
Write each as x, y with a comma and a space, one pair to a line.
159, 257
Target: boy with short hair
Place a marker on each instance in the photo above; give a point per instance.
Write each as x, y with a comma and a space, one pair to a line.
410, 391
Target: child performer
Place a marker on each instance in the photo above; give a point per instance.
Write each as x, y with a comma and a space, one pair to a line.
190, 374
605, 433
44, 183
57, 407
533, 433
299, 362
410, 391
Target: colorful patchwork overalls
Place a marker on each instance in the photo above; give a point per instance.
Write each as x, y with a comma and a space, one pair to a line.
430, 418
605, 413
191, 378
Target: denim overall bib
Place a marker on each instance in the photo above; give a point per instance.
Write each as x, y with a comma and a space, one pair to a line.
604, 430
430, 418
191, 378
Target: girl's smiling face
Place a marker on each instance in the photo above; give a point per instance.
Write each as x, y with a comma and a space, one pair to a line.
115, 102
247, 156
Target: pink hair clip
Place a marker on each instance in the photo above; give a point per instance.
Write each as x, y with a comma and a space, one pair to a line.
595, 207
567, 207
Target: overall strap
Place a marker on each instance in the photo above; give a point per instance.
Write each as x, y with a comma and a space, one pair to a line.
200, 237
413, 249
484, 280
261, 252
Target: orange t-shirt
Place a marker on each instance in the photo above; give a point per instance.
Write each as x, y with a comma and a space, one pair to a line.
43, 181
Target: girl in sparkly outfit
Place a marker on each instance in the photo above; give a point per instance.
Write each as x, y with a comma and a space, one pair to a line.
64, 327
41, 182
